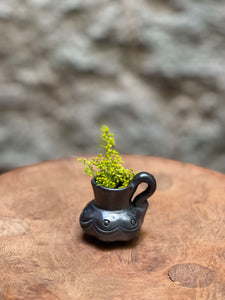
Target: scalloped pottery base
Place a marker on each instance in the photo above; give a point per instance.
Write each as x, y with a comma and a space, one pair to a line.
115, 225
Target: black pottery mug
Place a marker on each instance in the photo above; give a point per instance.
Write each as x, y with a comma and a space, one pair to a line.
113, 215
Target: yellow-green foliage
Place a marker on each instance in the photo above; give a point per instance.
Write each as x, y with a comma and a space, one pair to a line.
107, 169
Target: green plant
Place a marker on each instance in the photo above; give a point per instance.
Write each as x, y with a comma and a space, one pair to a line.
107, 168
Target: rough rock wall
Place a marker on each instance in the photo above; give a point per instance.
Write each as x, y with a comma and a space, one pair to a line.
152, 70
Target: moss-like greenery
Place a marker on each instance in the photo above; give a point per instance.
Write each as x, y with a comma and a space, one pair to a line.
107, 168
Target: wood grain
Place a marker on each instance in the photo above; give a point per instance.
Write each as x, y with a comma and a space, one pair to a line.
179, 254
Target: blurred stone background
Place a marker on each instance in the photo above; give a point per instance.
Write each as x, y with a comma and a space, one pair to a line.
152, 70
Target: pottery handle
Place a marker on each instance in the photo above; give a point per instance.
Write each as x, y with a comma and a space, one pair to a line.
146, 178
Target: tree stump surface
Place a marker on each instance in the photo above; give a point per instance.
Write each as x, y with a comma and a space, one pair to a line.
179, 254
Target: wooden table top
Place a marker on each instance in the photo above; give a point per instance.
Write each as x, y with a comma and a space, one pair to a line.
179, 254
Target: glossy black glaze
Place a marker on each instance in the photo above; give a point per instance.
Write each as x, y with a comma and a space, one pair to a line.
112, 215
